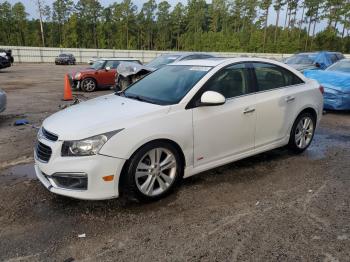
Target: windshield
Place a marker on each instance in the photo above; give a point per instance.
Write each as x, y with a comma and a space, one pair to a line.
304, 59
63, 55
97, 64
162, 61
167, 85
342, 66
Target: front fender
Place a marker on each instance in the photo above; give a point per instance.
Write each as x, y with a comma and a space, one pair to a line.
176, 126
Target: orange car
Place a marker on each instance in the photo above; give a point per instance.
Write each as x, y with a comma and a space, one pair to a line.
100, 74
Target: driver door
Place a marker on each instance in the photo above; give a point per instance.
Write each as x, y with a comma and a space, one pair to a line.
107, 77
223, 132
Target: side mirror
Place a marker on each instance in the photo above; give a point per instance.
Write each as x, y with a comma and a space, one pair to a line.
107, 68
212, 98
318, 65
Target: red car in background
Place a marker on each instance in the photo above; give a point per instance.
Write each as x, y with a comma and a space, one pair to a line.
100, 74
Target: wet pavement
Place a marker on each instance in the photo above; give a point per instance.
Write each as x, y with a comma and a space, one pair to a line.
275, 206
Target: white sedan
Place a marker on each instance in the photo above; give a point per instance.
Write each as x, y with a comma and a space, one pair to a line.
178, 121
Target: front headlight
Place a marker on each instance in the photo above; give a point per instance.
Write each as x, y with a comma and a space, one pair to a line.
86, 147
77, 76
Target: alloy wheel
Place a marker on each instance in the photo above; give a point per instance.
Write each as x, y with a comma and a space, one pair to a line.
156, 171
304, 132
89, 85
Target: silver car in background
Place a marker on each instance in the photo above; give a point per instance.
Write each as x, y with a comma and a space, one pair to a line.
128, 73
2, 100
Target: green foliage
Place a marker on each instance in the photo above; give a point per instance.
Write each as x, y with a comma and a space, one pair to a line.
217, 25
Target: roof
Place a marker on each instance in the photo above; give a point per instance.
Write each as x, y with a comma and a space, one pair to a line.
215, 61
186, 53
202, 62
316, 52
119, 58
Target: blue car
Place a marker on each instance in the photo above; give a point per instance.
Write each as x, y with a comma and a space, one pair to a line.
336, 83
313, 60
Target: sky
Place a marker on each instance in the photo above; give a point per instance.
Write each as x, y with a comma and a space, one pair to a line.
31, 9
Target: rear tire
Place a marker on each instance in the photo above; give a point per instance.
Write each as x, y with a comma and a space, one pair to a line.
302, 132
88, 85
152, 172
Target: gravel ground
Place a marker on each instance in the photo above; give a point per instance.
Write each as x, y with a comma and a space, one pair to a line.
275, 206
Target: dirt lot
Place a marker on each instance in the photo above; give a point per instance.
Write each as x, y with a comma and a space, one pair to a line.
272, 207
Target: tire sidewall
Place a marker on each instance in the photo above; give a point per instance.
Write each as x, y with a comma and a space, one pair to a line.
131, 190
292, 144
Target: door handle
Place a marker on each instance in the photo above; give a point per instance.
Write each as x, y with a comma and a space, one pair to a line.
290, 99
248, 110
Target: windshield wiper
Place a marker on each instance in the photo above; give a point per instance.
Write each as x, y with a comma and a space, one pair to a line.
119, 92
140, 98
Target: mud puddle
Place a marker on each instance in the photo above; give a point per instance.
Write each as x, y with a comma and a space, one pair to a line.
18, 173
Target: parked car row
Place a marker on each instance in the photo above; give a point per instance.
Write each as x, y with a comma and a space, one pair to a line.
119, 73
101, 74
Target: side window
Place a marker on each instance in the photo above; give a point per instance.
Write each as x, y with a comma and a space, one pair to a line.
271, 76
115, 64
205, 56
230, 82
112, 64
334, 58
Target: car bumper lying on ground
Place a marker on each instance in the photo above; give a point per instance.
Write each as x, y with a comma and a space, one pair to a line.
77, 177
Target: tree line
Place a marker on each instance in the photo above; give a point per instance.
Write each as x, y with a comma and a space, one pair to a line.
222, 25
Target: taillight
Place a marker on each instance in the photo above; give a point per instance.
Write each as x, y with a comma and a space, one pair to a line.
321, 89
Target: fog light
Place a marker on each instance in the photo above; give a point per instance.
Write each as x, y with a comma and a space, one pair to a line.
73, 181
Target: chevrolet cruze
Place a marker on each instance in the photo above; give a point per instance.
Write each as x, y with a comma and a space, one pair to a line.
180, 120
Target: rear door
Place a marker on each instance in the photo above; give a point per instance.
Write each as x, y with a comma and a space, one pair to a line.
276, 102
221, 132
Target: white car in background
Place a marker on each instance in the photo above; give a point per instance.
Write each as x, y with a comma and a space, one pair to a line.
180, 120
3, 100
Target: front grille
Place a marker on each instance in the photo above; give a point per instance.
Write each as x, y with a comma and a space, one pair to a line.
43, 152
49, 135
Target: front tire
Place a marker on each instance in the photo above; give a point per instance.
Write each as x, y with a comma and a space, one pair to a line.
88, 85
302, 132
153, 172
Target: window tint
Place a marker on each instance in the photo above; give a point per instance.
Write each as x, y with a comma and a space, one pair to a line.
271, 76
230, 82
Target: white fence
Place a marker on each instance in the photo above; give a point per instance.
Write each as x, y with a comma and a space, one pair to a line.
23, 54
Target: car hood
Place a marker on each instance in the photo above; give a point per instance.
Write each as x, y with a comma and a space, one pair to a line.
335, 80
129, 68
100, 115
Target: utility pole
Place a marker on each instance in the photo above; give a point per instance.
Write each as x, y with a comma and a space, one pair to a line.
40, 9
